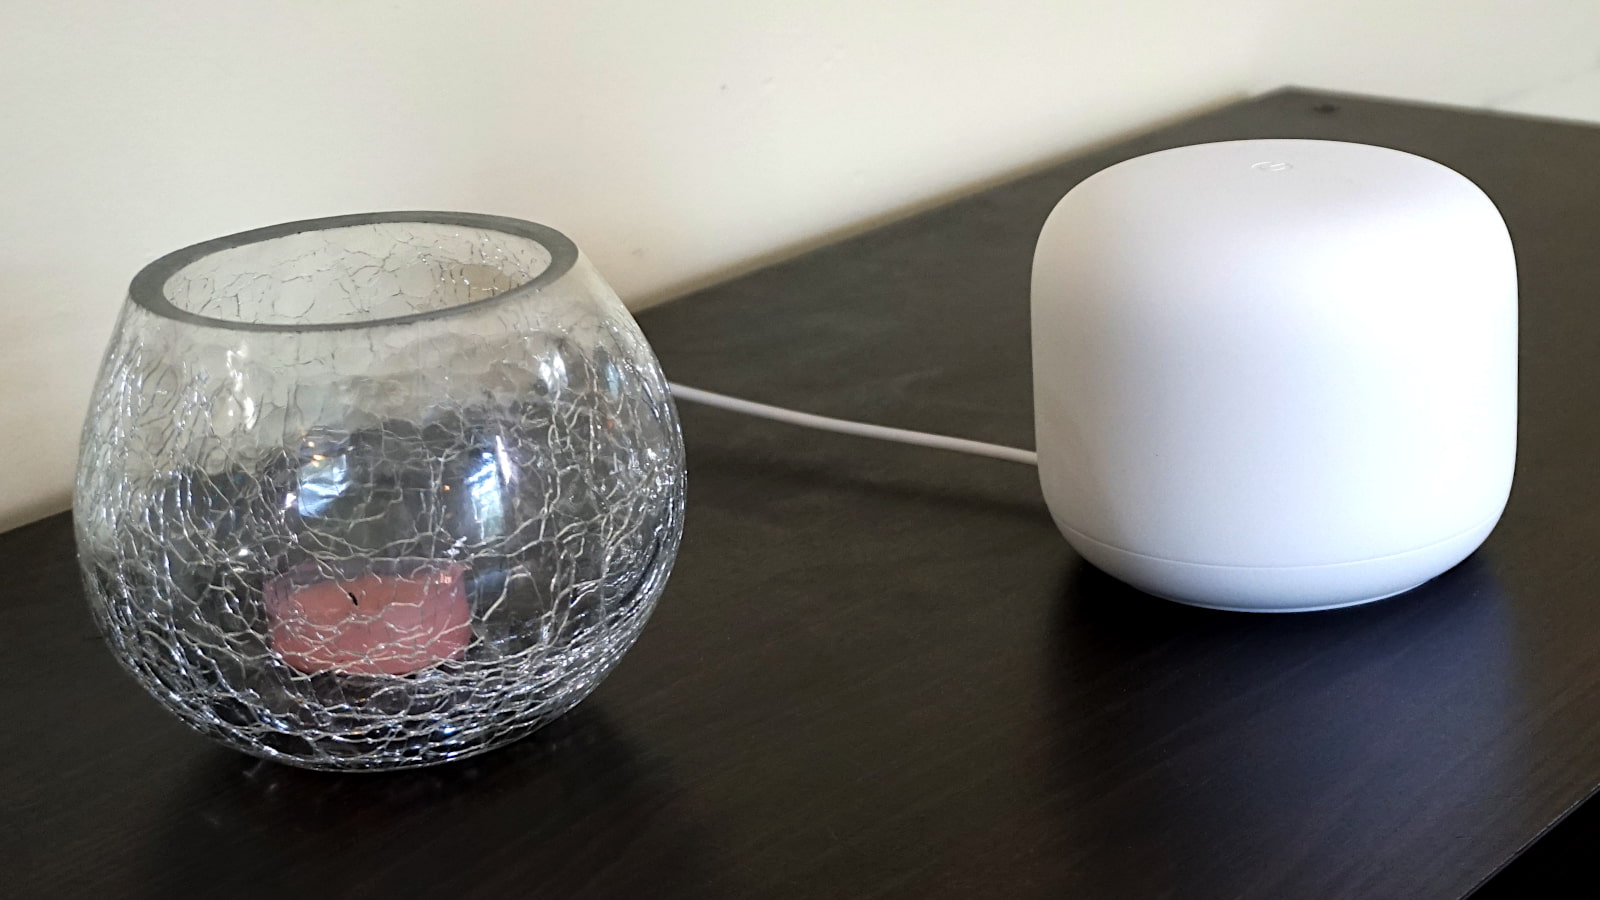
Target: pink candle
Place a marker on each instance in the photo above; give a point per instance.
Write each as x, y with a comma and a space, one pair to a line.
371, 624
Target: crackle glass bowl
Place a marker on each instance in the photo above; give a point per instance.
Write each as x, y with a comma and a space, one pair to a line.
376, 491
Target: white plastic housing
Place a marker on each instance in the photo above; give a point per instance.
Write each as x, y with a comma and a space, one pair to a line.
1277, 374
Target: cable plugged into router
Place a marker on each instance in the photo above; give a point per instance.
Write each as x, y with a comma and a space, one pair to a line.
1269, 375
858, 429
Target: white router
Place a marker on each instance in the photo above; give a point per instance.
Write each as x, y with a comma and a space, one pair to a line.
1275, 375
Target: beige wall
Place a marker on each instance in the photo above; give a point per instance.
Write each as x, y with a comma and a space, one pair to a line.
1532, 56
677, 141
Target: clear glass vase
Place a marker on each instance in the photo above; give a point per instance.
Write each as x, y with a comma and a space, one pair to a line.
376, 491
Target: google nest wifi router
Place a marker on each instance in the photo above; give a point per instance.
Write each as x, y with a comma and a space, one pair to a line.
1275, 375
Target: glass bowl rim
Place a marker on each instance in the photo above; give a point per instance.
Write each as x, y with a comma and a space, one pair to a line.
148, 289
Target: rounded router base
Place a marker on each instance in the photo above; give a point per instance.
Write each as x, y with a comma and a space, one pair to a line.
1280, 588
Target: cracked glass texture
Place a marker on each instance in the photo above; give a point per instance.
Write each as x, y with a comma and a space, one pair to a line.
378, 491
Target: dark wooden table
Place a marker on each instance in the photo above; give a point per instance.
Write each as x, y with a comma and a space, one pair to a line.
879, 671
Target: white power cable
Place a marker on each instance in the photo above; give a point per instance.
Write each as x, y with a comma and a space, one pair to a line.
859, 429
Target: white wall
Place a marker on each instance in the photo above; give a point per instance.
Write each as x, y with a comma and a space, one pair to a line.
676, 141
